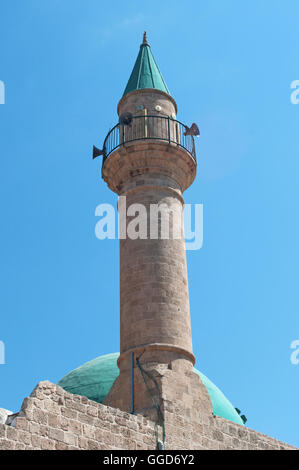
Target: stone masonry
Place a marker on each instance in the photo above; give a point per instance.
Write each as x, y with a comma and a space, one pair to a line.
52, 419
154, 296
155, 326
148, 170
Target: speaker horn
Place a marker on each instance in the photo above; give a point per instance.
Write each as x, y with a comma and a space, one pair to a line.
193, 130
126, 119
96, 152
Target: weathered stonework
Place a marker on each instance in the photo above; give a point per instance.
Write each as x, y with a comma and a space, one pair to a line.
154, 296
149, 99
154, 319
52, 419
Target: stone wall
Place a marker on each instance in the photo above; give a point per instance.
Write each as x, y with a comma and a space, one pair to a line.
154, 295
53, 419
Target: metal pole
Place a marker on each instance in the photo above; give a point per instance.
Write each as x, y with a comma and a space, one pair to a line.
132, 383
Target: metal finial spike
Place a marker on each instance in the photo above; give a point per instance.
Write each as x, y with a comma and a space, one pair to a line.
145, 39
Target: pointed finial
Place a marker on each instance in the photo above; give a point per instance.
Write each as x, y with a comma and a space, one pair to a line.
145, 39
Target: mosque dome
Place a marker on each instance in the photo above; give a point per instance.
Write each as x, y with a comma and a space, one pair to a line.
94, 380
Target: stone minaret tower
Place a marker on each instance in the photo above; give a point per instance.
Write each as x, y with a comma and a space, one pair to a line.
149, 158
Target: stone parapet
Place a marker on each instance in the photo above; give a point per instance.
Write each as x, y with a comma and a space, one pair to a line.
52, 419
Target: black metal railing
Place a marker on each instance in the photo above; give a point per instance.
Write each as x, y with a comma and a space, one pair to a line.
149, 127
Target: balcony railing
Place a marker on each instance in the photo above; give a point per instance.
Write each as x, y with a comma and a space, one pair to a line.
149, 127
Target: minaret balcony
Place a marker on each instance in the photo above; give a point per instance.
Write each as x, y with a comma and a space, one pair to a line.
149, 127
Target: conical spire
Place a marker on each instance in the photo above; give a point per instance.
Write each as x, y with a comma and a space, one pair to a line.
146, 73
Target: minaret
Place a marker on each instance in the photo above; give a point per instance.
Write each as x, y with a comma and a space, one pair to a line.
149, 161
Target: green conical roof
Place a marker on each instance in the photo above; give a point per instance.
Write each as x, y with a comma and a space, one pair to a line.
146, 73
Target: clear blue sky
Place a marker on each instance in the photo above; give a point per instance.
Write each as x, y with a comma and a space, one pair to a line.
229, 65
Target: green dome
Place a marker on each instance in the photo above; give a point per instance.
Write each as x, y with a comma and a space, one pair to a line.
95, 378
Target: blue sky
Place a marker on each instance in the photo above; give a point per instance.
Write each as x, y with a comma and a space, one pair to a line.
229, 65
